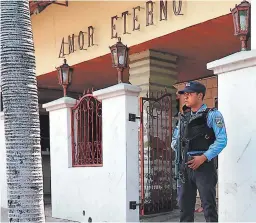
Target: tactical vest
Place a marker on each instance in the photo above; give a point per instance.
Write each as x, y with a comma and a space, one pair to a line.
184, 119
196, 132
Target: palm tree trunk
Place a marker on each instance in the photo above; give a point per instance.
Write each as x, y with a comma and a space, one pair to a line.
21, 114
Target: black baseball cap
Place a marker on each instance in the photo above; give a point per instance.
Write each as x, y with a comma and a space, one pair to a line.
193, 87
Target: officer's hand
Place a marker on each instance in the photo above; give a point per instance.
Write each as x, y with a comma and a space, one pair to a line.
196, 162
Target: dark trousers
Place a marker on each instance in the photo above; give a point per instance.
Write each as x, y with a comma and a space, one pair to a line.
204, 179
178, 195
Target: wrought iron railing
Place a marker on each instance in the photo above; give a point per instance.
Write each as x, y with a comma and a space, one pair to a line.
156, 184
86, 127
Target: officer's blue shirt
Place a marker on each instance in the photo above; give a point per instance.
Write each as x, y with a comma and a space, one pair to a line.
214, 120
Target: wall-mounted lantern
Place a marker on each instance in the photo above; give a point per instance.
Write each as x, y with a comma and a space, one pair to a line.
64, 76
119, 54
242, 21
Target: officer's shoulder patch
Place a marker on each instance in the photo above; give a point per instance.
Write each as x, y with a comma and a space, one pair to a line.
219, 122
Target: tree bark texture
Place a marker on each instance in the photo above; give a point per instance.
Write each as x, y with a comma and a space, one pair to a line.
21, 114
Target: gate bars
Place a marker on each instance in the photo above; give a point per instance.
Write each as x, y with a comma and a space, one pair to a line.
155, 154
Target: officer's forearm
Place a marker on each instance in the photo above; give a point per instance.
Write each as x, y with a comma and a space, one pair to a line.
216, 121
215, 149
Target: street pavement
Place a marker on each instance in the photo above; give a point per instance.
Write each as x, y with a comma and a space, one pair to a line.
172, 216
165, 217
48, 215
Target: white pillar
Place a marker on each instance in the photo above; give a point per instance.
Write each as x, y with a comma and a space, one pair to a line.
3, 182
120, 140
60, 150
102, 193
237, 170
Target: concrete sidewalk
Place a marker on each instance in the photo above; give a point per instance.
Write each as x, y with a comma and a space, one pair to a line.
172, 216
165, 217
48, 215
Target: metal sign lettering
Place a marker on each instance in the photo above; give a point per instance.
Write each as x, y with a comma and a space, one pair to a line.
76, 42
150, 15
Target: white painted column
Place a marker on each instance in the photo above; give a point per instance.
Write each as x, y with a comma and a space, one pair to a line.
237, 169
98, 193
120, 137
60, 149
3, 180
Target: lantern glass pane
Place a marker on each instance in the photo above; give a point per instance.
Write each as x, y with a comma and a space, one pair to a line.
125, 59
69, 76
121, 56
114, 57
236, 22
60, 76
65, 75
243, 20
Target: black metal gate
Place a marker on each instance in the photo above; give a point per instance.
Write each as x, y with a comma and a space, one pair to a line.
156, 182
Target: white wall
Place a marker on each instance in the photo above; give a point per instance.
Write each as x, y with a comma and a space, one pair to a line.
237, 182
90, 189
101, 192
237, 169
3, 182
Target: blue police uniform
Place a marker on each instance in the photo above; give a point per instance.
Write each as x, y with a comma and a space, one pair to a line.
205, 177
214, 120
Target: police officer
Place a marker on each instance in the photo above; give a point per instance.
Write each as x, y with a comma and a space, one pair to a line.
204, 137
